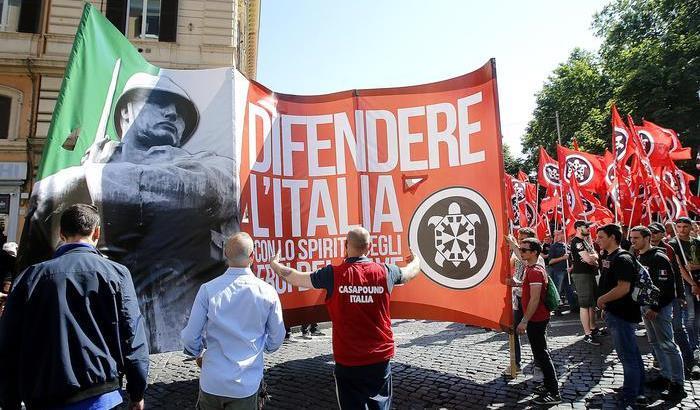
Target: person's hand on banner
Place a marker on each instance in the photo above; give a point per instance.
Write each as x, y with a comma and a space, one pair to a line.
291, 275
412, 268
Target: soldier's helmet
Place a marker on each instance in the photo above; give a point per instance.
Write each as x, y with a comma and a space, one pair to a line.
144, 86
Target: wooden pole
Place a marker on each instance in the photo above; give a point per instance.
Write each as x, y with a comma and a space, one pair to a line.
511, 348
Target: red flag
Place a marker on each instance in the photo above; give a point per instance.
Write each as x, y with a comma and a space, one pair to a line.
653, 143
548, 173
516, 191
586, 168
668, 137
573, 206
620, 139
523, 176
551, 201
542, 227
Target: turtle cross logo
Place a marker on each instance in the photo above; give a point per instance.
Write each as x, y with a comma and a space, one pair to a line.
578, 167
454, 236
454, 233
551, 173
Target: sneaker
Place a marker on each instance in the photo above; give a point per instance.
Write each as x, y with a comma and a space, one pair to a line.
317, 333
541, 389
674, 392
547, 399
641, 401
590, 340
695, 372
599, 332
659, 383
306, 335
640, 332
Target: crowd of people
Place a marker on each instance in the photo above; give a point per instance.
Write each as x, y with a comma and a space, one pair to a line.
72, 327
623, 277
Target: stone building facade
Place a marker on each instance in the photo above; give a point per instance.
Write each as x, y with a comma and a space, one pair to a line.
36, 37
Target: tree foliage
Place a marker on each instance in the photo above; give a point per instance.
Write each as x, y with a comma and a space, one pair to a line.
511, 164
648, 65
579, 92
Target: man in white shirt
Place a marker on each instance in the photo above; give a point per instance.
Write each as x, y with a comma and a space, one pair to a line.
236, 317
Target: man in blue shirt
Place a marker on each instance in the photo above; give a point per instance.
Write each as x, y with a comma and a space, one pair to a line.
241, 316
72, 328
556, 267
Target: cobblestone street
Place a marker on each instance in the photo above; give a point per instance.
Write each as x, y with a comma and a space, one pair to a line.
437, 365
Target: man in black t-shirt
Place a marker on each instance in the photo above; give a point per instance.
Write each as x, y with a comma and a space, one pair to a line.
658, 318
680, 311
584, 268
622, 313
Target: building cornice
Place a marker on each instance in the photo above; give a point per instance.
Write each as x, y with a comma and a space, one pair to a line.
252, 15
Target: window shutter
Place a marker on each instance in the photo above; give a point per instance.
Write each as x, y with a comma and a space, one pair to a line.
116, 13
29, 15
168, 21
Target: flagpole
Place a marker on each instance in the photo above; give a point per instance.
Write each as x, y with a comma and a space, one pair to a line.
537, 204
634, 203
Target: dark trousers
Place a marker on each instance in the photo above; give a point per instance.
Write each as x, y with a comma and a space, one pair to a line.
364, 387
537, 335
517, 317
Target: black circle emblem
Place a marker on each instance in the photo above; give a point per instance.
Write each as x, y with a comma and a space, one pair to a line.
578, 166
519, 190
454, 233
621, 139
551, 174
647, 142
610, 174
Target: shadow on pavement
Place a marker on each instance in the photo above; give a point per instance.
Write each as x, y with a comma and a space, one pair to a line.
414, 388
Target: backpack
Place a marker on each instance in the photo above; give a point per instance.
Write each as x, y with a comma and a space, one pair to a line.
551, 298
643, 290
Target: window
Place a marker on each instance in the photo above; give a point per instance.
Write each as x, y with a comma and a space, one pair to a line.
20, 15
9, 10
5, 112
144, 19
10, 107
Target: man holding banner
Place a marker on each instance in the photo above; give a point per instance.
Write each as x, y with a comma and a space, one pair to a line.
357, 298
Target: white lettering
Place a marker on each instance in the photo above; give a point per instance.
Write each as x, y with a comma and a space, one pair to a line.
466, 129
406, 138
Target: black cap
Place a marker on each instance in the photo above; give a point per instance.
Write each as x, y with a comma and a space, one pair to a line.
580, 223
684, 220
656, 227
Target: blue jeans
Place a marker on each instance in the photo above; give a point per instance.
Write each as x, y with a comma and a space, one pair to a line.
680, 335
693, 323
625, 343
561, 280
660, 335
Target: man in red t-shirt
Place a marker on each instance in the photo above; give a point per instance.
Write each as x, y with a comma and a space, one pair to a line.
357, 299
535, 320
